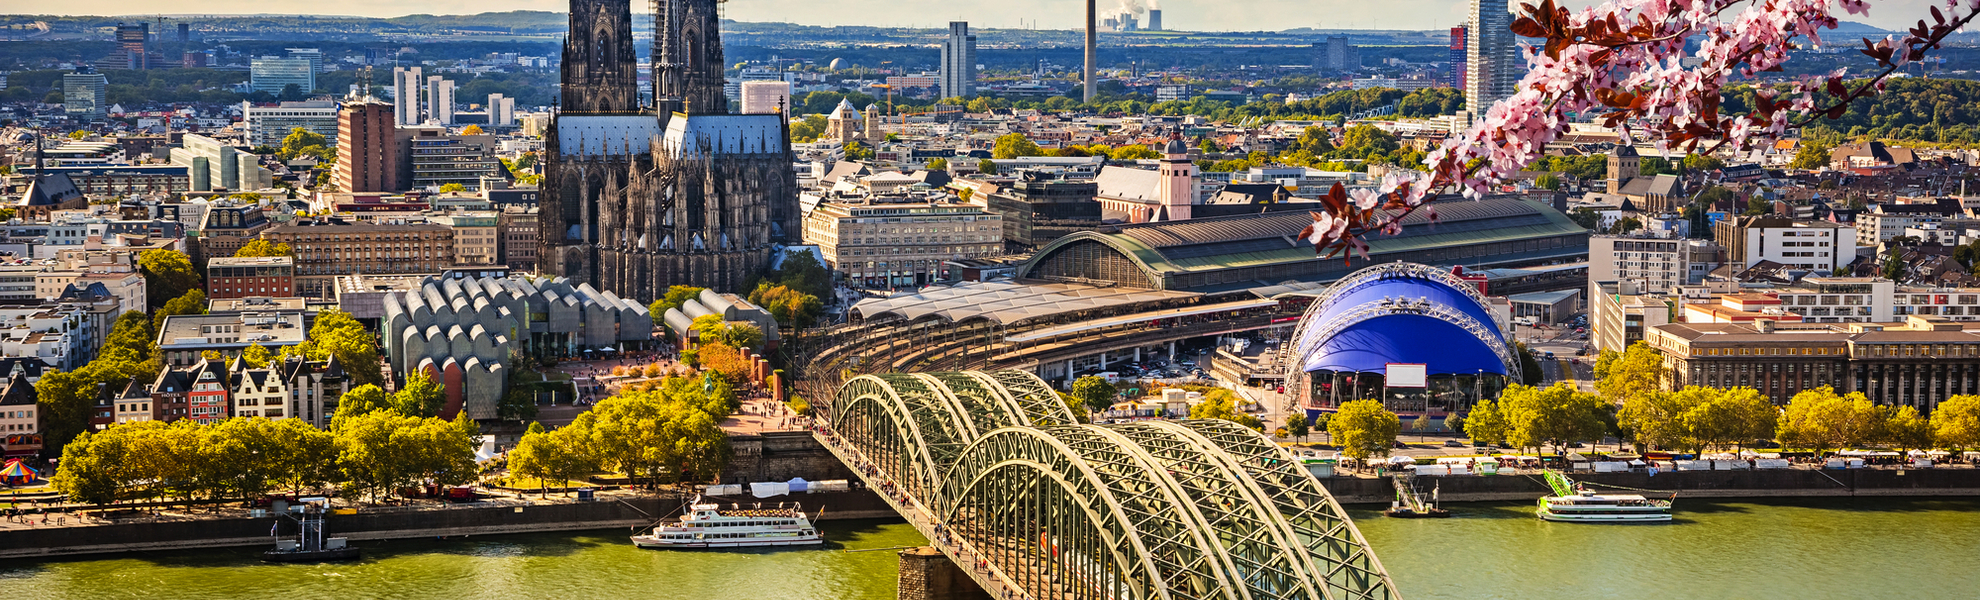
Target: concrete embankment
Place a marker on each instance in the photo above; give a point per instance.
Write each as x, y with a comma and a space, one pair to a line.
482, 518
1687, 484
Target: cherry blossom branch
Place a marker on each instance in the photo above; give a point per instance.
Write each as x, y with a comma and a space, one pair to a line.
1624, 58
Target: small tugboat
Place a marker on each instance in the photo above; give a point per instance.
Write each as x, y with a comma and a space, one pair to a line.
1409, 503
1573, 503
309, 545
706, 526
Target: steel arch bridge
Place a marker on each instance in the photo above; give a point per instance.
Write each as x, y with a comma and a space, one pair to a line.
1031, 502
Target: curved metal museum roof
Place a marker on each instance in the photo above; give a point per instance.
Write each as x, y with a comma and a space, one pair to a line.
1403, 313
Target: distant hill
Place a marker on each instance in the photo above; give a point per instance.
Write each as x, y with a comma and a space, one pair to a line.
520, 19
1854, 28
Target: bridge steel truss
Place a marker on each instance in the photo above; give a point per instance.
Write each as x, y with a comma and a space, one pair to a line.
1153, 510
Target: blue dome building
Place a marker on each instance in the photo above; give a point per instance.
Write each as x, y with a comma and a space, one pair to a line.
1367, 335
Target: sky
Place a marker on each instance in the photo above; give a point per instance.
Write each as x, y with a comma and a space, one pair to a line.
1195, 15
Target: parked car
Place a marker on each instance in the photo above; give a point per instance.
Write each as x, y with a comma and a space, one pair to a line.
1453, 444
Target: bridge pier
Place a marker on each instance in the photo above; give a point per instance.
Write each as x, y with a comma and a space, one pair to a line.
926, 574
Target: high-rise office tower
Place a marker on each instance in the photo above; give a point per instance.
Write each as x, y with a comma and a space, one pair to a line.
406, 85
1490, 60
185, 32
83, 95
501, 110
959, 62
367, 151
1338, 55
131, 41
1458, 56
440, 100
313, 55
765, 97
275, 74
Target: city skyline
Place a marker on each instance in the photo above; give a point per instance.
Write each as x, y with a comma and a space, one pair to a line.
1268, 15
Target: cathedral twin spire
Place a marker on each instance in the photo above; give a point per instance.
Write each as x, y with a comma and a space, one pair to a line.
600, 75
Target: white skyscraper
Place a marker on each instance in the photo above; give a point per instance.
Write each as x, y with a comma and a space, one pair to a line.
405, 95
765, 97
959, 61
501, 111
1492, 65
440, 100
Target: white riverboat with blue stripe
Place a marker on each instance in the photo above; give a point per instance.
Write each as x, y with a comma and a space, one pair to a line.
707, 526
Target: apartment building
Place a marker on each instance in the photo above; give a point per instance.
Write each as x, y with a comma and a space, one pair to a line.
1919, 362
328, 248
242, 277
901, 243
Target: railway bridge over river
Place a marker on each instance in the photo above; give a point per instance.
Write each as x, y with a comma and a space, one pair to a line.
993, 469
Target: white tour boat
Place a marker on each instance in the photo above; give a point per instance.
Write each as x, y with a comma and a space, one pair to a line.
706, 526
1572, 503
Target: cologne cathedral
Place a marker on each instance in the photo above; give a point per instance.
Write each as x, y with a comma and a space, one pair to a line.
637, 198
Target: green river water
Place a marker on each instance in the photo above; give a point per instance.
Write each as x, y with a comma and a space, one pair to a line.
1911, 549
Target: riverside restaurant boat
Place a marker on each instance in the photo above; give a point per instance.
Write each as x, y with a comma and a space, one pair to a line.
707, 526
1573, 503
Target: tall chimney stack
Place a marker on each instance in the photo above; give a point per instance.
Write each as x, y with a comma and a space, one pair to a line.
1090, 42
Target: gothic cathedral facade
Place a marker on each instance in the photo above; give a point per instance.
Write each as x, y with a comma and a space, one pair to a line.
636, 198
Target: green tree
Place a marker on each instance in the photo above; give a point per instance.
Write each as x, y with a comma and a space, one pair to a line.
1625, 225
256, 356
1639, 370
452, 188
1587, 218
1813, 154
1956, 422
337, 335
1904, 429
858, 151
1094, 392
1013, 145
1222, 404
1363, 428
1133, 152
1296, 426
1733, 418
1820, 420
303, 142
666, 433
986, 167
674, 298
259, 248
1485, 423
361, 400
420, 397
712, 329
938, 164
1894, 267
561, 455
1657, 419
1555, 416
193, 302
168, 274
382, 451
94, 468
790, 307
1547, 181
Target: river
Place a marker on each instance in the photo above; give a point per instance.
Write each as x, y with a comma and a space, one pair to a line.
1917, 549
